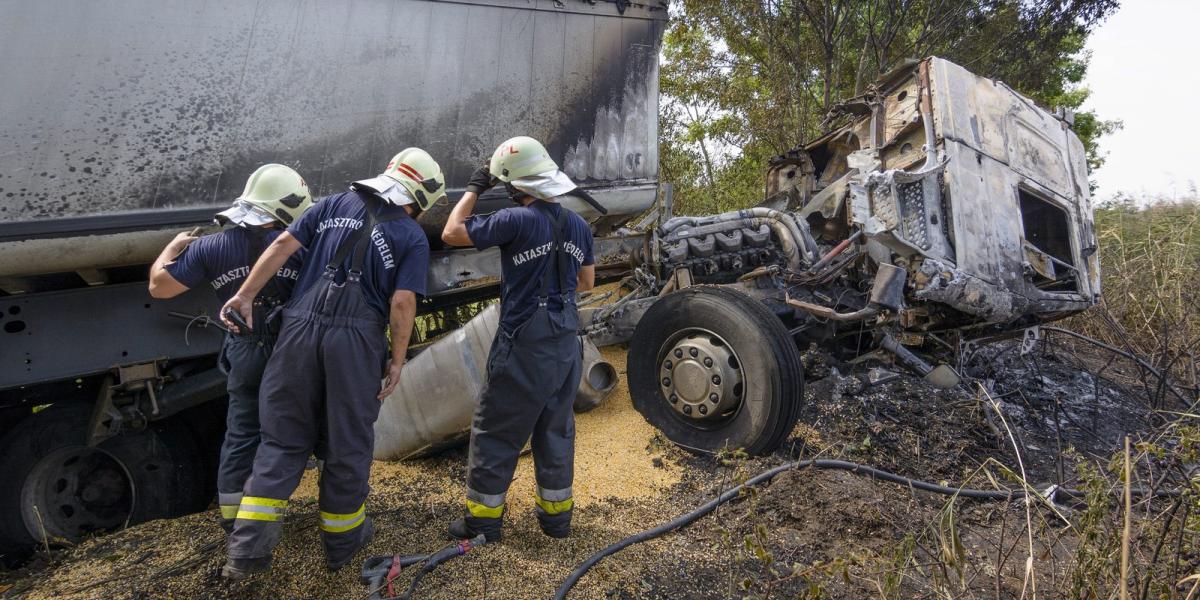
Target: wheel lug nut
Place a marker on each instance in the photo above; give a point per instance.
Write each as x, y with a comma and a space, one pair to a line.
666, 382
678, 353
669, 365
707, 361
694, 352
703, 409
713, 397
687, 409
716, 380
673, 399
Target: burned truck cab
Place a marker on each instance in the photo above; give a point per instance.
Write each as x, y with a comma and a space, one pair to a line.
940, 207
992, 221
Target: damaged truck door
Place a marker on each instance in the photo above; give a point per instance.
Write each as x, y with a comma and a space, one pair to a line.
941, 206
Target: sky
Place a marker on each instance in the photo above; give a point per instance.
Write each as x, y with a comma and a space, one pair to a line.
1144, 71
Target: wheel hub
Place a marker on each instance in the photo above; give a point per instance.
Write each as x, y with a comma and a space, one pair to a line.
75, 491
700, 377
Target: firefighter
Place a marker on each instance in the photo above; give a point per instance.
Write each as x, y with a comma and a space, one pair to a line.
275, 196
534, 364
367, 261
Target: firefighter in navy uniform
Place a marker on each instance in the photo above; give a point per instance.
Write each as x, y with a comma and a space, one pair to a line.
534, 364
367, 262
275, 196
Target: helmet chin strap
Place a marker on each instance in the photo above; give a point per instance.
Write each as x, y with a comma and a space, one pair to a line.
516, 196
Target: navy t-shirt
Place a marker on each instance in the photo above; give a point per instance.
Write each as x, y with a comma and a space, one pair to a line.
524, 236
397, 260
224, 259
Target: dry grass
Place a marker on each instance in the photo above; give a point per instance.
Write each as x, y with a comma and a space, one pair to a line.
1150, 264
624, 482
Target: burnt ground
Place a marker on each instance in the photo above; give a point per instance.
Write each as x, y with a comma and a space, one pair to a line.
838, 535
807, 533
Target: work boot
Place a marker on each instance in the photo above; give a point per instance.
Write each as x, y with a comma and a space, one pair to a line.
368, 533
465, 528
237, 569
555, 526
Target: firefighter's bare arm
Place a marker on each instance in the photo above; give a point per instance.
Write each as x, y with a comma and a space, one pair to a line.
455, 232
586, 279
162, 285
272, 259
403, 312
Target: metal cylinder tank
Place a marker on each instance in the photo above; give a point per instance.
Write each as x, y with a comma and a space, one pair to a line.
431, 409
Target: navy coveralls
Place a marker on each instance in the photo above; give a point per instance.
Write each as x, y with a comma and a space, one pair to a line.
323, 379
243, 360
224, 260
533, 374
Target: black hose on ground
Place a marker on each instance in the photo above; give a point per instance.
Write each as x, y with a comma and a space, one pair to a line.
769, 474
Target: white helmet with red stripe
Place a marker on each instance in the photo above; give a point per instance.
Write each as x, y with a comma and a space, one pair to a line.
416, 171
520, 157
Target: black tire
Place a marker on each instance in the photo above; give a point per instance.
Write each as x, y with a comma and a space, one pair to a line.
160, 472
770, 370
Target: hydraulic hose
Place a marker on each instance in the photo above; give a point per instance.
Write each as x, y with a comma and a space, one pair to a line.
454, 550
769, 474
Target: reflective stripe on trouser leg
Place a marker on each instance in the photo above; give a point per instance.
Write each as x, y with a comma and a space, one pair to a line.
485, 506
554, 502
258, 527
261, 509
229, 504
341, 523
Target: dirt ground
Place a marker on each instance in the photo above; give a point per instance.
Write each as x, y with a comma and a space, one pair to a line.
827, 533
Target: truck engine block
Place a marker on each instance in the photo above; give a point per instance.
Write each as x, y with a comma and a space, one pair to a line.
721, 257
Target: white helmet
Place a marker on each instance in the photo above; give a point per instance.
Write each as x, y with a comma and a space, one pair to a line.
273, 193
414, 170
520, 157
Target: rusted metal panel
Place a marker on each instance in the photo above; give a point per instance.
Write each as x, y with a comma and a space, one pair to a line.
158, 105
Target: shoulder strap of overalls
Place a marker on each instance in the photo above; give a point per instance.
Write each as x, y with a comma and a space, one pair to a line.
359, 240
558, 225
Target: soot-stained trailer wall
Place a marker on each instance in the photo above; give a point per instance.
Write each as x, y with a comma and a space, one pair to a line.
143, 105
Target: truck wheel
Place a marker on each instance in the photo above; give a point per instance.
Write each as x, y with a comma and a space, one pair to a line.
713, 368
54, 483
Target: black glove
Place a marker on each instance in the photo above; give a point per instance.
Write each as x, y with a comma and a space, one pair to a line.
481, 181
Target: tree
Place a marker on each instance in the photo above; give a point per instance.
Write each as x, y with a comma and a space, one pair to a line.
744, 80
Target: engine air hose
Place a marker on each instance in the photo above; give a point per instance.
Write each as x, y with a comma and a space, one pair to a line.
769, 474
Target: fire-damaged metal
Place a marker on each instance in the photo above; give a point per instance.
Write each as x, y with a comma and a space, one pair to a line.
151, 105
127, 123
121, 131
939, 204
122, 127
